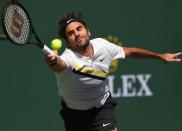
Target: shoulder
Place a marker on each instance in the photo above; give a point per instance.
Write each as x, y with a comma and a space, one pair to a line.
100, 40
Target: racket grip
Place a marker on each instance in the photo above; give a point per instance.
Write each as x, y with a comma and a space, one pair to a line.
47, 50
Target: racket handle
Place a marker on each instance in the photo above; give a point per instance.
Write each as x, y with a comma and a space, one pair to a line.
47, 50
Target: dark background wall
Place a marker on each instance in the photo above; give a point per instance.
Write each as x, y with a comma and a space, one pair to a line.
28, 92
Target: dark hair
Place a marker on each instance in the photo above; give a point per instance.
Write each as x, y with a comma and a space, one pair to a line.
75, 16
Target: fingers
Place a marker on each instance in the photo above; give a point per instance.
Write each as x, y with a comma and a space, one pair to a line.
52, 58
176, 57
178, 54
178, 60
56, 52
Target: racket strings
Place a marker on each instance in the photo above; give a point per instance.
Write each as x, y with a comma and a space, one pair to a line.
17, 24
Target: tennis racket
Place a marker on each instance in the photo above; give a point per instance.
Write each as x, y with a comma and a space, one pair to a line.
18, 28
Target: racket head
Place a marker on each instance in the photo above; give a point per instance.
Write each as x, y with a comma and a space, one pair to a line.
16, 23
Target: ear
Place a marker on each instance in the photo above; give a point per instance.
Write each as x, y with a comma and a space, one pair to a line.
88, 32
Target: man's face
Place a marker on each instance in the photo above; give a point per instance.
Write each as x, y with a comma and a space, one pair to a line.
77, 35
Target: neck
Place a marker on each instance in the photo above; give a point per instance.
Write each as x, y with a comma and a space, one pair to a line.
86, 50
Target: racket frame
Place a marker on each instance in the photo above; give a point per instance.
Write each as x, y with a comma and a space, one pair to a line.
31, 31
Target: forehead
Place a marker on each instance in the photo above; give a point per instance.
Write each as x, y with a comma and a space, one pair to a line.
73, 25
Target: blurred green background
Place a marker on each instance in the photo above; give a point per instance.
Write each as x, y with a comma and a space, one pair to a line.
28, 91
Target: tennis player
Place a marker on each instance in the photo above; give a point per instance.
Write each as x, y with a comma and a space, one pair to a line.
82, 71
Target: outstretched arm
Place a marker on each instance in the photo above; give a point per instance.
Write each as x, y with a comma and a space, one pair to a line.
143, 53
54, 62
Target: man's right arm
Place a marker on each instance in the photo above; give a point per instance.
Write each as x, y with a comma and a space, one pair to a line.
55, 63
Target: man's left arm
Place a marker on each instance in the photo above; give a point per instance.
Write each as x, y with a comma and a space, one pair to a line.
143, 53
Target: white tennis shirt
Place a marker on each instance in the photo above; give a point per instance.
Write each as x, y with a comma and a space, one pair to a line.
84, 84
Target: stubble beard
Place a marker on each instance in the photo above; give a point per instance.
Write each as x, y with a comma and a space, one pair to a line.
84, 44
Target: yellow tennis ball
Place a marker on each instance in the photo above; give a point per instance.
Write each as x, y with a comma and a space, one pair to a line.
56, 44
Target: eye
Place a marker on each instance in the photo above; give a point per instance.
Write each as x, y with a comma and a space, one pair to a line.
79, 28
69, 33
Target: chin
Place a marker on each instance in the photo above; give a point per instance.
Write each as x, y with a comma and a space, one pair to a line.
85, 45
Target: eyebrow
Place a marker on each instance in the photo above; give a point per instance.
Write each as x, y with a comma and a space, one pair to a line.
79, 26
76, 29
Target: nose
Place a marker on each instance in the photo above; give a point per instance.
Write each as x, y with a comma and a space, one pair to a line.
77, 34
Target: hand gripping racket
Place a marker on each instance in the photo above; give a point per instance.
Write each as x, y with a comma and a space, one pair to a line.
18, 28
